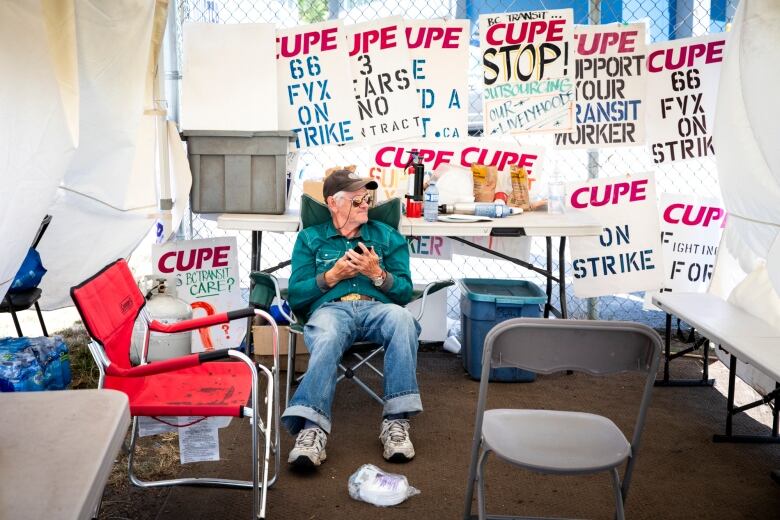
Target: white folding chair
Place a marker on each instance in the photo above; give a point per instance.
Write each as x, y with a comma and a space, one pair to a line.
561, 442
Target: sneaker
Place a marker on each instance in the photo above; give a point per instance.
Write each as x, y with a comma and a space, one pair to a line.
396, 441
309, 449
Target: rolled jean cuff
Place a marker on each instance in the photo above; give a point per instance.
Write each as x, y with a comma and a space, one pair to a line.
409, 404
294, 417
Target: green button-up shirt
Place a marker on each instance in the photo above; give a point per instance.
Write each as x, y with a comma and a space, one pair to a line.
317, 249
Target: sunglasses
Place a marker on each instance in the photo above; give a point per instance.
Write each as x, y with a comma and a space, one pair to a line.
357, 201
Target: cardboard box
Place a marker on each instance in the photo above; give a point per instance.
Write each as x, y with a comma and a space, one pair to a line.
262, 339
314, 190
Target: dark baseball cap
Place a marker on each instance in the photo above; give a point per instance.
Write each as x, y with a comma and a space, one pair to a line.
345, 180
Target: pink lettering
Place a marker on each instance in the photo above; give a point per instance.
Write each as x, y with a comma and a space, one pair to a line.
599, 43
363, 41
686, 56
525, 32
307, 43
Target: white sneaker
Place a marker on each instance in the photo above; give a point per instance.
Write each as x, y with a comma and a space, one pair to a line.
396, 441
309, 449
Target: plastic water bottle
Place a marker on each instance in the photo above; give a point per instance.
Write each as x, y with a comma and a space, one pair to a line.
556, 193
431, 202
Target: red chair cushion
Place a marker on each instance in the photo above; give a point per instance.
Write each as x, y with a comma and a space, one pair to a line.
109, 303
210, 389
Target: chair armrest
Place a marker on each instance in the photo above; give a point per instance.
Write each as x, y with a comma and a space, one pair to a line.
197, 323
429, 289
437, 286
168, 365
158, 367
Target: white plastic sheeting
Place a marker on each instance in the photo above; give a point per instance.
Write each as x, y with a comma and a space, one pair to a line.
36, 138
81, 135
747, 148
747, 134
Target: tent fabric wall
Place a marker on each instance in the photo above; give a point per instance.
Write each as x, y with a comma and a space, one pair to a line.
37, 140
107, 200
746, 137
80, 133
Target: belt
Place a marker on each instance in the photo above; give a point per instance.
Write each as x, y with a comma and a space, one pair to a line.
351, 297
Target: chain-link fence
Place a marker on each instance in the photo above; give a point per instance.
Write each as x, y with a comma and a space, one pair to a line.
665, 19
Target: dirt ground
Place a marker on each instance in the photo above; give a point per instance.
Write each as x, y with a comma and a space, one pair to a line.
680, 472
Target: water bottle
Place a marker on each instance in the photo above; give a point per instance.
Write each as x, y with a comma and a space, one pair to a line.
431, 202
556, 193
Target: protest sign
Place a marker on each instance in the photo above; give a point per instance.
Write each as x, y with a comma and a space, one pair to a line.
528, 72
207, 273
610, 73
682, 86
388, 160
384, 88
228, 77
440, 65
690, 233
316, 95
430, 247
626, 257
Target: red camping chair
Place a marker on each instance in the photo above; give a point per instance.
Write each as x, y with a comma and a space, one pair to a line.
192, 385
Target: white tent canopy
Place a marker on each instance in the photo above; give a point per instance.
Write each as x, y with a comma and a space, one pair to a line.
94, 74
747, 146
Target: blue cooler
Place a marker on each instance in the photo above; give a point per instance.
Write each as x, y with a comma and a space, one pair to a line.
484, 303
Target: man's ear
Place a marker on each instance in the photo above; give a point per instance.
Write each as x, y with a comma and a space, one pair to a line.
331, 202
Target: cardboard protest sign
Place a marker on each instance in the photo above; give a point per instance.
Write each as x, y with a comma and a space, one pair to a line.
229, 77
528, 71
316, 96
207, 272
384, 88
610, 72
389, 160
690, 233
626, 257
682, 86
440, 65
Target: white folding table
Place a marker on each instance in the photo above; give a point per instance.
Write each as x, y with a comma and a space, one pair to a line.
532, 224
57, 450
742, 335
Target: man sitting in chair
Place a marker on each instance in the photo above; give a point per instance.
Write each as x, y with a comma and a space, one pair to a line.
351, 277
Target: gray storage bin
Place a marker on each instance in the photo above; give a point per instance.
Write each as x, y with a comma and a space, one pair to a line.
238, 172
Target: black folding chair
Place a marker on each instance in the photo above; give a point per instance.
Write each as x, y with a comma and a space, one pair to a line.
18, 301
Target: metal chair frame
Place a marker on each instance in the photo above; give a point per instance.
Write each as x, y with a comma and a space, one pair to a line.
546, 346
357, 349
267, 427
8, 304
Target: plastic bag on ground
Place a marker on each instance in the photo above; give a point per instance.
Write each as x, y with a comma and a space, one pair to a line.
371, 484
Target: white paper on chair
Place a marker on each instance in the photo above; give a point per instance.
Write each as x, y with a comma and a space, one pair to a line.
199, 442
148, 426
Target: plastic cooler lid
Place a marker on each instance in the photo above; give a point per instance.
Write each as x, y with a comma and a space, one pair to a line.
239, 133
502, 291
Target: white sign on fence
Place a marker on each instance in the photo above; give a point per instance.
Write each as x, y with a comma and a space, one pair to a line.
440, 65
528, 71
390, 159
385, 91
228, 77
316, 96
690, 233
207, 271
682, 86
610, 71
626, 257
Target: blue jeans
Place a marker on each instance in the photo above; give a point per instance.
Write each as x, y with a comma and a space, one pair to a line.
330, 331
